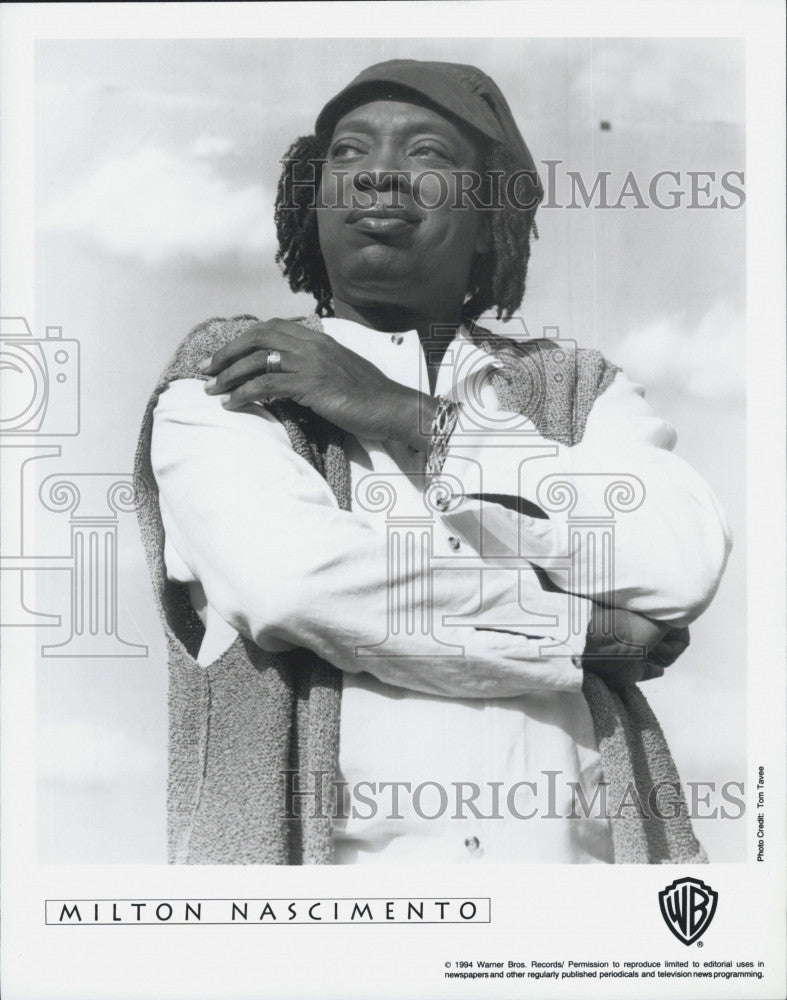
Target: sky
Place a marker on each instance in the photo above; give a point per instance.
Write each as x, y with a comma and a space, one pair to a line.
156, 167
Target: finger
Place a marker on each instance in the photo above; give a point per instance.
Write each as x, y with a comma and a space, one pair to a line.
249, 367
679, 639
273, 334
608, 646
611, 647
662, 656
670, 648
619, 631
260, 390
297, 330
250, 340
637, 629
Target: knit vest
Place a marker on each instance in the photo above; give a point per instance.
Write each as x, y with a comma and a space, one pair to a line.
253, 724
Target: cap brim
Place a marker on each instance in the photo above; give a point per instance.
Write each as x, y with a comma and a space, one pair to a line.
421, 82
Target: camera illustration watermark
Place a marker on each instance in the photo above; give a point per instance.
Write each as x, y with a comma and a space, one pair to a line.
40, 381
40, 399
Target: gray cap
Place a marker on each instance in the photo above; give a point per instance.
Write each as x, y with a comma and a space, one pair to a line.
465, 92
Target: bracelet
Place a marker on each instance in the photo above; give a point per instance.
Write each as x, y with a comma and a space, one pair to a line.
443, 425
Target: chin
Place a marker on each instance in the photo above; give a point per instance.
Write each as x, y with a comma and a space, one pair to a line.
376, 294
378, 270
378, 256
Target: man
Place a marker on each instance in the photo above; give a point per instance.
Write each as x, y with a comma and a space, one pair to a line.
310, 652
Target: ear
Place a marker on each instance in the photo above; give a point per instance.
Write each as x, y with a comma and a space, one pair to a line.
483, 240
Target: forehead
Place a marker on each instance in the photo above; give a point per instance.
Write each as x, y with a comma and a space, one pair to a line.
405, 116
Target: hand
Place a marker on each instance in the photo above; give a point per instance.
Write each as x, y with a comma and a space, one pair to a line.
318, 373
623, 647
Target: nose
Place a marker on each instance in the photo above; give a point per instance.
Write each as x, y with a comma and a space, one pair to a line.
383, 180
383, 172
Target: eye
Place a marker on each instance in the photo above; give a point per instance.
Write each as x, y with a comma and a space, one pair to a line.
431, 149
344, 149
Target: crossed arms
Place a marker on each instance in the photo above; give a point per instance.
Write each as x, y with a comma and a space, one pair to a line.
257, 535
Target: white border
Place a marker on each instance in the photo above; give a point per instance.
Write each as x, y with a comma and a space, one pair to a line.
574, 917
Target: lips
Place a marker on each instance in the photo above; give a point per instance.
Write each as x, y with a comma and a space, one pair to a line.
383, 219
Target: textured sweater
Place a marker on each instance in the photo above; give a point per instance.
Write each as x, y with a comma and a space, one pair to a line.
238, 726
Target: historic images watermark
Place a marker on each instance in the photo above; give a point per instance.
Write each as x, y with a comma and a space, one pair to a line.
430, 189
549, 795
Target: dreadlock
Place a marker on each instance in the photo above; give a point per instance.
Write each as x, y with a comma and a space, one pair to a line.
497, 278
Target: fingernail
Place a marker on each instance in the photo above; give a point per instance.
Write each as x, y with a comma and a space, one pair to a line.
225, 399
210, 384
205, 364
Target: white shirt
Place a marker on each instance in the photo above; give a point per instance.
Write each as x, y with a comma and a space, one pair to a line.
258, 536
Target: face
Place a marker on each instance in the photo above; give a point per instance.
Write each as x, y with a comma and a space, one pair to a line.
391, 232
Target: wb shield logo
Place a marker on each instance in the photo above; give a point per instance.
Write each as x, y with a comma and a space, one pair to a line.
688, 906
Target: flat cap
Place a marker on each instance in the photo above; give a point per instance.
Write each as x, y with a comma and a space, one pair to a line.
465, 92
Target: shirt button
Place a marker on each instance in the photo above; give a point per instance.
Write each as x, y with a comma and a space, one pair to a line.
472, 844
397, 338
454, 543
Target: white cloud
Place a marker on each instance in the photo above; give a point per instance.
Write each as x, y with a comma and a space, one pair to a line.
166, 99
687, 79
84, 753
705, 360
206, 146
157, 206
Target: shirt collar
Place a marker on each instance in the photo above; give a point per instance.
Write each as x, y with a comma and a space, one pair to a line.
401, 357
